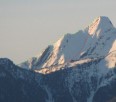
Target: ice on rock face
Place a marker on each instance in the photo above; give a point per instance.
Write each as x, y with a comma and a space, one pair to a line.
100, 25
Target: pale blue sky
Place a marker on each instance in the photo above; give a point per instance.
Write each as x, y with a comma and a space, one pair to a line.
28, 26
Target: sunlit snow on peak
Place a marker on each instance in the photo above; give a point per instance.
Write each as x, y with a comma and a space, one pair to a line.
102, 24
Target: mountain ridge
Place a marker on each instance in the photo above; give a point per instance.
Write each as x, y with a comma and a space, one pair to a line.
83, 44
79, 67
82, 82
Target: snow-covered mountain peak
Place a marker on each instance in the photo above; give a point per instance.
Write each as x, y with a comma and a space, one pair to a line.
100, 25
95, 41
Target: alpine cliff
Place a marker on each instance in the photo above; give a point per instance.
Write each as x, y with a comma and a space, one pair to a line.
79, 67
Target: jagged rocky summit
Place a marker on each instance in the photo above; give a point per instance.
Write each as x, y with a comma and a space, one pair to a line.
96, 40
79, 67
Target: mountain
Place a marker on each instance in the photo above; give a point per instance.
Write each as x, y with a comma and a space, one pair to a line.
96, 40
79, 67
19, 85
